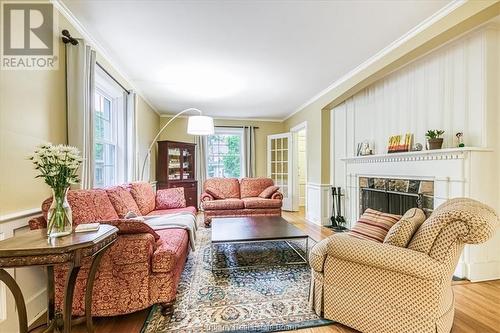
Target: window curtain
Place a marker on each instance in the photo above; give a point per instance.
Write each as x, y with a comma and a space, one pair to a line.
249, 147
80, 88
201, 162
132, 173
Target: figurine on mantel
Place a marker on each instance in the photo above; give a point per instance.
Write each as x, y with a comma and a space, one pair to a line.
365, 148
460, 139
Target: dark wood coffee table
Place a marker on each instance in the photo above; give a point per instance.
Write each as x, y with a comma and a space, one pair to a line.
255, 229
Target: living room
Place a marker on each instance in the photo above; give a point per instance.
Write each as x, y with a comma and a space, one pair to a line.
211, 166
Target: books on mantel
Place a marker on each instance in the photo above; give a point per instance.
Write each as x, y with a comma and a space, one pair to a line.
87, 227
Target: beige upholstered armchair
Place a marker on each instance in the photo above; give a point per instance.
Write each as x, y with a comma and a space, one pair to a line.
377, 287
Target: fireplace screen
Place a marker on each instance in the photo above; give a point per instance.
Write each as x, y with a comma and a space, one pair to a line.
396, 196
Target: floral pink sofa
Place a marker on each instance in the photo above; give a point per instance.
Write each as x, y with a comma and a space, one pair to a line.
143, 266
228, 197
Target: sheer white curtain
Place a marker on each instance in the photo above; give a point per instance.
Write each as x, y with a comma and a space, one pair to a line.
132, 173
201, 162
249, 148
80, 85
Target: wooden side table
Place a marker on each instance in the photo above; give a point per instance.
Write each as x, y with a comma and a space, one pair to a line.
33, 248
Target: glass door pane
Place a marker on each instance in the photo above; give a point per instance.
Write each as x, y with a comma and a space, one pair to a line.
279, 159
174, 164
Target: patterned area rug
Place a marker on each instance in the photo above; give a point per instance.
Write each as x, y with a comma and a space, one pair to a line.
260, 299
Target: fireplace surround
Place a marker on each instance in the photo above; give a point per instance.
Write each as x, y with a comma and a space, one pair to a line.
437, 175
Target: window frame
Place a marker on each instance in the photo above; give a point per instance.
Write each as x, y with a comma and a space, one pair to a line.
109, 89
233, 131
113, 141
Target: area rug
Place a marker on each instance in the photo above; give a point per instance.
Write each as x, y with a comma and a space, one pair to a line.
260, 299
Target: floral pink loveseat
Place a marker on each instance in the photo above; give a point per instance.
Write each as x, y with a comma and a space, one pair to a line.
228, 197
143, 266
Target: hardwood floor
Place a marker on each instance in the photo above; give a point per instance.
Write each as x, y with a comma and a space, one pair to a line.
477, 305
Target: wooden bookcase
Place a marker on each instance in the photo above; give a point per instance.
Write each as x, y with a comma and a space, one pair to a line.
176, 168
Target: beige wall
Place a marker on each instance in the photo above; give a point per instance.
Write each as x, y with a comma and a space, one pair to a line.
177, 132
148, 124
318, 140
33, 111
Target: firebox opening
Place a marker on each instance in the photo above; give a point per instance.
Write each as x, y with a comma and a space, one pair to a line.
395, 196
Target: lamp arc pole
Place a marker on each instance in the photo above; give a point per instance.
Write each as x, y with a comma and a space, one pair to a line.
158, 135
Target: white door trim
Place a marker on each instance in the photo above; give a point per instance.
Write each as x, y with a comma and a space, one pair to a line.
287, 193
295, 175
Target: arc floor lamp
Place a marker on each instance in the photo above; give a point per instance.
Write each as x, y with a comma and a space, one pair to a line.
197, 125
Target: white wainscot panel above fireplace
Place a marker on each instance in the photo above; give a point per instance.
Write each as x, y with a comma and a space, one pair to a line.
459, 172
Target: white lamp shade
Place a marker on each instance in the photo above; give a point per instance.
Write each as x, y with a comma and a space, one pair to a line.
200, 125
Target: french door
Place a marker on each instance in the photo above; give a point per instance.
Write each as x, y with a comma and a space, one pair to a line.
279, 165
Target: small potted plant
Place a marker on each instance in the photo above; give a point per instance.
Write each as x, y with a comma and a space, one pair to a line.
434, 139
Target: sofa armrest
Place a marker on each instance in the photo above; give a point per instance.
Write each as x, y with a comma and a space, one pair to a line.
38, 222
277, 195
206, 197
132, 249
318, 254
384, 256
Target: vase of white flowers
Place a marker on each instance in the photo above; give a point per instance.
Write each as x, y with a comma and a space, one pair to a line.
58, 166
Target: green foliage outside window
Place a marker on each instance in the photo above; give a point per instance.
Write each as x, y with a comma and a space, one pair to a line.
224, 159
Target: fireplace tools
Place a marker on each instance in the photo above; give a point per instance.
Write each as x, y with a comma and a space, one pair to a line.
338, 221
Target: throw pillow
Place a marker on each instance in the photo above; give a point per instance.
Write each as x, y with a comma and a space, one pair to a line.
402, 232
373, 225
132, 227
122, 200
170, 198
268, 191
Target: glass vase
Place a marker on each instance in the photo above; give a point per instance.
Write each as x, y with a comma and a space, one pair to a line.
59, 216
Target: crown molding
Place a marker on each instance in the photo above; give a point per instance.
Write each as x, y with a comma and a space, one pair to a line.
271, 120
64, 10
428, 22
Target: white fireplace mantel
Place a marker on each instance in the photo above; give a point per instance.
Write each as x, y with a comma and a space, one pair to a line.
436, 154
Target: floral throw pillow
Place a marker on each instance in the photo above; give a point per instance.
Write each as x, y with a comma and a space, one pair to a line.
268, 191
170, 198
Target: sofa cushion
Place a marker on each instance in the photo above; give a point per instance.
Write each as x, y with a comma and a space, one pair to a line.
87, 206
171, 246
170, 198
225, 204
122, 200
401, 233
373, 225
252, 187
144, 196
222, 188
189, 209
261, 203
268, 191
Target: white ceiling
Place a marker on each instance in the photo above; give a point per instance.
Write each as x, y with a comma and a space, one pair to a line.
243, 59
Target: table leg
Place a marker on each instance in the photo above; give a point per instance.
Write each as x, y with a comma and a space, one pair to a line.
212, 257
50, 294
18, 297
88, 290
307, 249
68, 296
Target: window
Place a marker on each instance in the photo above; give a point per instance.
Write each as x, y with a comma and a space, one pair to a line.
225, 153
105, 141
110, 132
